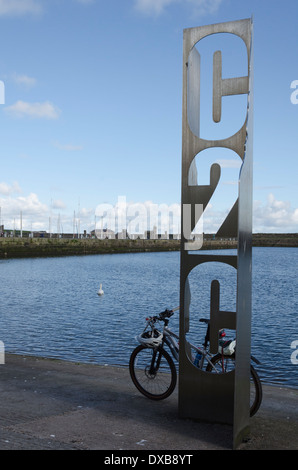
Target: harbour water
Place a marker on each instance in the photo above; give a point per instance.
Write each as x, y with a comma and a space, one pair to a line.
50, 306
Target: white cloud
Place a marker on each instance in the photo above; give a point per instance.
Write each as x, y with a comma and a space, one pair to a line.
34, 110
275, 216
213, 218
152, 6
58, 204
19, 7
204, 7
37, 216
157, 7
28, 82
7, 189
31, 205
33, 212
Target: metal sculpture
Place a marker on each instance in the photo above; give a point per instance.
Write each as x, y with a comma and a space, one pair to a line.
216, 397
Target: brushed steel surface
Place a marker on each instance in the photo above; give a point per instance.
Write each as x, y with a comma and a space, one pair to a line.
203, 395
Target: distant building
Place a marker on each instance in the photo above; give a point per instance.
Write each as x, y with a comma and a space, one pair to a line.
103, 234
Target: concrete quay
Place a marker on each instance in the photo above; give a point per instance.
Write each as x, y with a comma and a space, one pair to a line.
57, 405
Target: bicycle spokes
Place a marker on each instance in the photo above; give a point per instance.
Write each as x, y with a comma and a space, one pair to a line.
153, 372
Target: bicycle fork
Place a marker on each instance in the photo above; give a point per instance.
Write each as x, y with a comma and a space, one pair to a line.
154, 367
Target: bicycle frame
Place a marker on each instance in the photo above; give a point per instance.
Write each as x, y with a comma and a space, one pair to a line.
170, 339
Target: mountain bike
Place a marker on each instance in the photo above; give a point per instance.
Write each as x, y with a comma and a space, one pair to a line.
152, 368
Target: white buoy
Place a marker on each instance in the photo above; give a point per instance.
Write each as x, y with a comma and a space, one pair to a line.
100, 291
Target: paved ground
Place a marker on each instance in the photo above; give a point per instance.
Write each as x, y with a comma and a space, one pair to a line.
50, 404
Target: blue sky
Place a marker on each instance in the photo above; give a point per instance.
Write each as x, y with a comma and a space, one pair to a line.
93, 107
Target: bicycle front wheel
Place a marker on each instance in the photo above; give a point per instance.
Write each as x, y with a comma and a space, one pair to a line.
222, 364
153, 372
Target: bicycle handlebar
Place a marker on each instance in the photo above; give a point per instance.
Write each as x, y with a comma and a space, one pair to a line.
163, 315
166, 314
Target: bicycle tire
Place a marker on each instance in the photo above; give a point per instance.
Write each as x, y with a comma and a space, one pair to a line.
256, 386
154, 384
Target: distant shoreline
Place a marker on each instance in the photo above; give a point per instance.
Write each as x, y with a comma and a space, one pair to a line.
54, 247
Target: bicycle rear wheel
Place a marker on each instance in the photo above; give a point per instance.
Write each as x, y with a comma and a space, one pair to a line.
153, 372
224, 364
